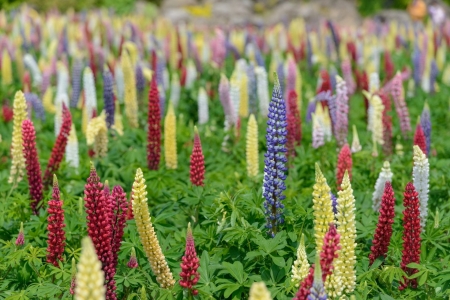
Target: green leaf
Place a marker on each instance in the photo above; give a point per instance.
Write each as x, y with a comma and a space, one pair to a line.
279, 261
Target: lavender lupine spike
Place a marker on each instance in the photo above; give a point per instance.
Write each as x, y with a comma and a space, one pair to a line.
258, 57
311, 109
425, 122
224, 96
252, 91
262, 90
140, 80
120, 84
37, 105
433, 75
400, 105
275, 160
331, 101
77, 69
45, 81
333, 74
335, 36
341, 126
417, 75
309, 53
317, 291
347, 72
280, 72
333, 202
108, 97
291, 76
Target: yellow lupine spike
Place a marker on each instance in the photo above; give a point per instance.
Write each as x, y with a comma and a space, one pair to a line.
131, 107
18, 159
97, 134
170, 138
300, 268
346, 227
132, 51
259, 291
323, 212
252, 147
7, 76
147, 233
243, 105
47, 101
90, 278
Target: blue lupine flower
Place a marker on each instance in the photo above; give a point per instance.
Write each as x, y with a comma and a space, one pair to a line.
275, 160
311, 109
317, 291
37, 105
258, 57
252, 89
333, 202
425, 122
140, 80
417, 74
231, 48
108, 97
433, 74
335, 36
77, 69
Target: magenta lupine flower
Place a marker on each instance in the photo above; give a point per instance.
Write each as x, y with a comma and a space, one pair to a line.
56, 236
189, 274
132, 263
400, 105
119, 206
21, 237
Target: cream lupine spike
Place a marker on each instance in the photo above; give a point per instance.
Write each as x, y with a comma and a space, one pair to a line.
385, 175
97, 134
300, 268
47, 101
356, 145
170, 138
90, 278
323, 212
346, 227
90, 96
259, 291
118, 125
72, 155
202, 101
147, 233
131, 107
132, 52
375, 123
252, 147
7, 76
421, 171
262, 90
17, 158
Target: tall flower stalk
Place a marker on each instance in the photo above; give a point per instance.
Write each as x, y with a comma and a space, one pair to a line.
384, 176
425, 122
147, 233
154, 127
341, 126
119, 205
400, 105
32, 163
197, 164
131, 105
190, 263
421, 173
274, 170
344, 164
56, 236
300, 268
170, 138
17, 154
252, 155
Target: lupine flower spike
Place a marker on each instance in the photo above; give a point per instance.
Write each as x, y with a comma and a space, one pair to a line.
385, 176
419, 138
356, 145
132, 263
203, 111
411, 235
425, 122
147, 233
17, 155
317, 291
347, 229
131, 105
59, 147
294, 129
400, 105
56, 236
21, 237
341, 127
344, 163
252, 147
32, 163
274, 170
331, 262
72, 155
197, 168
383, 233
119, 204
300, 268
189, 274
154, 127
170, 138
259, 291
421, 172
90, 278
97, 135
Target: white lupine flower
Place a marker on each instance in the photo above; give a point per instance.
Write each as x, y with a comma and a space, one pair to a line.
262, 90
89, 93
426, 82
374, 82
421, 171
385, 175
175, 90
72, 155
203, 114
31, 64
120, 85
191, 74
62, 83
235, 96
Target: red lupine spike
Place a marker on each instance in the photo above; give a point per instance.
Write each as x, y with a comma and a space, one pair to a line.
99, 216
388, 65
294, 124
387, 124
119, 206
154, 127
32, 163
411, 235
197, 169
189, 274
7, 112
344, 163
419, 139
56, 236
329, 251
59, 148
351, 48
383, 232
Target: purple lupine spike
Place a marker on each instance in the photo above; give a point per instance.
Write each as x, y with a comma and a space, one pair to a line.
37, 105
233, 50
100, 53
433, 75
311, 109
224, 96
140, 80
309, 53
328, 45
46, 78
275, 161
334, 35
108, 97
77, 69
331, 101
281, 78
400, 105
197, 61
425, 122
333, 74
252, 88
417, 75
258, 57
341, 126
333, 202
